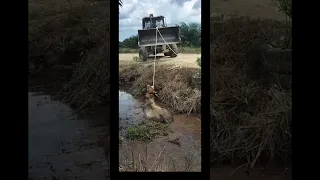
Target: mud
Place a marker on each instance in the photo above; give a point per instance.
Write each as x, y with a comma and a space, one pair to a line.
63, 145
186, 157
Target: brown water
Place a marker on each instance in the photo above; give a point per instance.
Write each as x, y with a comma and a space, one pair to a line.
159, 155
63, 145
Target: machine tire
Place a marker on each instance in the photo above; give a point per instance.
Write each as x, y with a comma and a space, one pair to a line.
166, 54
174, 47
143, 55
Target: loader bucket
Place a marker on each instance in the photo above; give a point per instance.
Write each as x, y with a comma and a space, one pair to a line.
147, 37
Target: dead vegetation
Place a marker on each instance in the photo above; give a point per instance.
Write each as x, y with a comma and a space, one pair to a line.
90, 83
174, 85
73, 32
64, 31
250, 118
144, 161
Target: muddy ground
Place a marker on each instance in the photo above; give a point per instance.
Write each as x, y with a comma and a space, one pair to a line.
162, 154
183, 59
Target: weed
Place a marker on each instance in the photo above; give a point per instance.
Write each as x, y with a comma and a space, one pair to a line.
136, 59
198, 61
146, 132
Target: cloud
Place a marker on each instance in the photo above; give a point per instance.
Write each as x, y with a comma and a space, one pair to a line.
180, 2
197, 5
175, 11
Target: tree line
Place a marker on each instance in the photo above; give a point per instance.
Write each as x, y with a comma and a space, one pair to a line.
190, 37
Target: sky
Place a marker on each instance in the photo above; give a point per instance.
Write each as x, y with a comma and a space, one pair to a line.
175, 12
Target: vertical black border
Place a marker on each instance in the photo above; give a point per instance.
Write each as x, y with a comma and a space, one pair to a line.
205, 100
114, 88
205, 88
15, 68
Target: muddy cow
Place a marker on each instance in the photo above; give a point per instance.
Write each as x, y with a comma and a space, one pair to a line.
154, 112
150, 90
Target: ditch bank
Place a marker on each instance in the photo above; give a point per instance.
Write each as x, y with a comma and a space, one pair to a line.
176, 86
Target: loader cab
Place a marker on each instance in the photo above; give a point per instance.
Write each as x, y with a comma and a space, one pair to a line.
153, 22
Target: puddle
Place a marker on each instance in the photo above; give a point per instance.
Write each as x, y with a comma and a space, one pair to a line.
186, 157
62, 145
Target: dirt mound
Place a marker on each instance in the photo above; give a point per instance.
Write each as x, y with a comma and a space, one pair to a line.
174, 85
250, 120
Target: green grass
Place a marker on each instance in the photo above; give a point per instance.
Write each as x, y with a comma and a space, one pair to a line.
198, 61
193, 50
146, 132
128, 50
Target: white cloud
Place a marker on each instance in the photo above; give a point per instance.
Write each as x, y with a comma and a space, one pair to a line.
175, 11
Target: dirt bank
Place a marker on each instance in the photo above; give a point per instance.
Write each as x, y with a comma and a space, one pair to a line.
74, 33
65, 39
175, 85
183, 60
251, 102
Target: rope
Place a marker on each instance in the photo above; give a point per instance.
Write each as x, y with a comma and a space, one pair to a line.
168, 44
155, 52
155, 58
170, 47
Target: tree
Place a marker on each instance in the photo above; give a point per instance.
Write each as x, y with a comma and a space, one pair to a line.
190, 34
131, 42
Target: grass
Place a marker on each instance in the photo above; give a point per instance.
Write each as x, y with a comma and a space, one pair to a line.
199, 61
146, 132
251, 116
192, 50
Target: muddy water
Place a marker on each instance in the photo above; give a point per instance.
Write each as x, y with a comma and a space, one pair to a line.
130, 111
63, 145
160, 155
